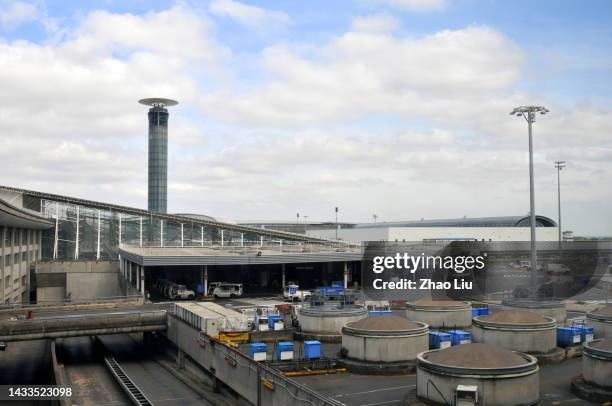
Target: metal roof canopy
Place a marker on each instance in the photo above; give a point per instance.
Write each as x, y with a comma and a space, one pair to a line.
172, 217
195, 256
11, 216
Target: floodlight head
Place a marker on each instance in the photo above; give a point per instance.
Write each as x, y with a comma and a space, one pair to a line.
158, 102
529, 109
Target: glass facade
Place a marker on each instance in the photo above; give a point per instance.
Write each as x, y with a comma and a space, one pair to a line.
87, 233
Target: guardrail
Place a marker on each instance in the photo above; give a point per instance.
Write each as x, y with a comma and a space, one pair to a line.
68, 302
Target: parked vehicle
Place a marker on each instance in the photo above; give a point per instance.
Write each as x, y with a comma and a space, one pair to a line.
172, 290
293, 293
225, 290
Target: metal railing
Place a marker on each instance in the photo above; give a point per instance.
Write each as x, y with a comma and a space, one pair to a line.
135, 394
69, 302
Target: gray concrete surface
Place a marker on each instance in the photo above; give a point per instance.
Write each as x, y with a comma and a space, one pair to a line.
91, 382
160, 386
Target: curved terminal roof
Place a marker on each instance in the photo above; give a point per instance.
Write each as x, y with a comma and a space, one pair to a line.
384, 323
506, 221
475, 355
12, 216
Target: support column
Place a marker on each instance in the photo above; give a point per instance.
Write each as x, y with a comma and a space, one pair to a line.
76, 239
346, 275
180, 359
56, 236
130, 272
283, 273
120, 228
142, 280
98, 241
140, 232
202, 236
261, 241
182, 236
161, 233
242, 239
205, 280
137, 277
222, 239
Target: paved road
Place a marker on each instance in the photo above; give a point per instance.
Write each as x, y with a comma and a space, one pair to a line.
27, 363
161, 387
91, 381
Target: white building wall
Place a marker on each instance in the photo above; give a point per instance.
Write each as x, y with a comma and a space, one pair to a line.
429, 233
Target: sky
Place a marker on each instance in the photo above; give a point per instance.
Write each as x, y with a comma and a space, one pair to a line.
393, 108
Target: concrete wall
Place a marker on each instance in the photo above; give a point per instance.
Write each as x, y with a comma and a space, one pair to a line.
601, 328
492, 391
438, 318
421, 233
84, 280
239, 372
541, 340
597, 371
385, 349
19, 248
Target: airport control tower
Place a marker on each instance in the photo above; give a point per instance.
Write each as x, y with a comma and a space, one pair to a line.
158, 152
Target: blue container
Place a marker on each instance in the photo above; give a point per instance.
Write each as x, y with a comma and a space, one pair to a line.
568, 336
586, 333
375, 313
312, 349
439, 340
273, 318
483, 311
475, 312
258, 351
284, 350
459, 337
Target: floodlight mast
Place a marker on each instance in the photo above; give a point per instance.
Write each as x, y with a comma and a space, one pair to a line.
559, 165
529, 114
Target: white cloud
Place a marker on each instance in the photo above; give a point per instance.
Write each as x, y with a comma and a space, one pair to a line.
375, 23
14, 13
372, 72
247, 14
416, 5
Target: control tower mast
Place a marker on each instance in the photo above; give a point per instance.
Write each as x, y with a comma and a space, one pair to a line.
158, 153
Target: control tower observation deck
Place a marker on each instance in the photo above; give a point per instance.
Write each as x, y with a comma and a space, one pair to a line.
158, 153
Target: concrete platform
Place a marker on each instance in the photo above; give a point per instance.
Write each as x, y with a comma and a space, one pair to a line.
374, 368
590, 392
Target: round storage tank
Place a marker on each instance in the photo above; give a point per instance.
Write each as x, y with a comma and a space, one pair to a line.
516, 330
502, 377
601, 321
547, 308
597, 362
325, 322
440, 313
385, 344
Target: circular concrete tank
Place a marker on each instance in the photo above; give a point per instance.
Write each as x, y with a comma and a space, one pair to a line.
597, 362
547, 308
516, 330
385, 344
325, 322
601, 321
503, 377
595, 383
440, 313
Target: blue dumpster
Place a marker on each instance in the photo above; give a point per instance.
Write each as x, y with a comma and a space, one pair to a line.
460, 337
439, 340
284, 351
568, 336
258, 351
586, 333
312, 349
483, 311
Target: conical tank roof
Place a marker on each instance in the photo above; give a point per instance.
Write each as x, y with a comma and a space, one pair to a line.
514, 317
384, 323
476, 355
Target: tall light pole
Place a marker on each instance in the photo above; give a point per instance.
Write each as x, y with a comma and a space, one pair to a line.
559, 165
336, 222
529, 114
